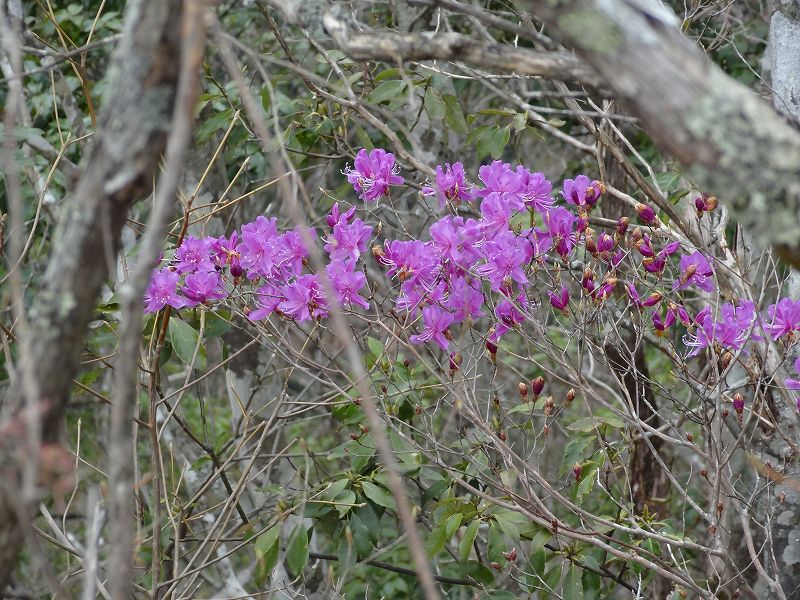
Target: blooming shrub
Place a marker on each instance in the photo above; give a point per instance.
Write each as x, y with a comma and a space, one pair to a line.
520, 252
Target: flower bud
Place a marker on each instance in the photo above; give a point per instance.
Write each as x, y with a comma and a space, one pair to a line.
725, 361
377, 252
636, 235
501, 435
711, 203
236, 270
455, 362
576, 471
704, 473
622, 225
647, 214
570, 396
653, 299
548, 406
537, 385
738, 405
605, 243
523, 390
511, 556
492, 348
700, 205
496, 566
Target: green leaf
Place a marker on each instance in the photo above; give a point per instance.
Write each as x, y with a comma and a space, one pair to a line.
334, 488
361, 536
465, 545
522, 407
537, 556
454, 116
214, 123
499, 141
345, 501
520, 122
378, 495
434, 104
587, 424
573, 586
452, 524
297, 550
216, 324
479, 572
586, 485
266, 540
387, 91
184, 341
375, 347
267, 549
676, 196
436, 540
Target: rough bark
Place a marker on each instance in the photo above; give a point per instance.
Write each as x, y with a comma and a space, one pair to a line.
731, 142
399, 47
119, 170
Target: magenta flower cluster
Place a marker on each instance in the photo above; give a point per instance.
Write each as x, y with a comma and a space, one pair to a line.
498, 261
273, 263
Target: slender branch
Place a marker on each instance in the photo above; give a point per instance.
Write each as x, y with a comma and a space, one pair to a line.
121, 441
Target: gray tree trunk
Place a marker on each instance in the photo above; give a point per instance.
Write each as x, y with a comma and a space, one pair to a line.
131, 137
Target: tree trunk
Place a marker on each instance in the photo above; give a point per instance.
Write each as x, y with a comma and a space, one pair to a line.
131, 137
730, 141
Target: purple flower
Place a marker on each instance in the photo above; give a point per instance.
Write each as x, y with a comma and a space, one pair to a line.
195, 255
373, 174
202, 287
291, 250
732, 330
783, 318
436, 323
560, 223
464, 299
225, 253
662, 326
450, 185
496, 214
347, 282
633, 294
581, 191
267, 300
348, 240
695, 270
335, 217
505, 256
419, 295
508, 315
561, 301
303, 299
502, 184
794, 384
456, 240
258, 249
703, 335
536, 190
162, 291
411, 261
